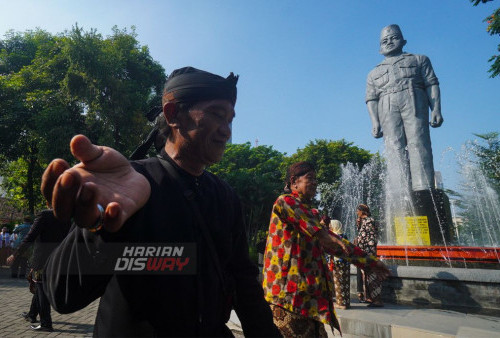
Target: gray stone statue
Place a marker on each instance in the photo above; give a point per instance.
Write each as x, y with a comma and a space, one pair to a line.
399, 92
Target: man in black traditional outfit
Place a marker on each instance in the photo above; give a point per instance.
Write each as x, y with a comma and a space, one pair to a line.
165, 199
45, 233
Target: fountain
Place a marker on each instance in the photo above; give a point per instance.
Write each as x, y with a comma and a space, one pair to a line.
425, 249
474, 243
465, 260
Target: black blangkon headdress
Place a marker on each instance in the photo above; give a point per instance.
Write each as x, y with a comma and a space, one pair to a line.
186, 85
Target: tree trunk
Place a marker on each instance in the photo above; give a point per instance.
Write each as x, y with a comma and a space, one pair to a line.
30, 187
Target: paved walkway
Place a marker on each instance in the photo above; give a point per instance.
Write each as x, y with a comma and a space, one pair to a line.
15, 298
392, 321
397, 321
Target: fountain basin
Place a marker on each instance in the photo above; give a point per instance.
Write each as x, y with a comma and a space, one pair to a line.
464, 290
445, 256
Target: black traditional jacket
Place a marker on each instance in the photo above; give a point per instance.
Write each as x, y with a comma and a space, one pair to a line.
46, 233
165, 305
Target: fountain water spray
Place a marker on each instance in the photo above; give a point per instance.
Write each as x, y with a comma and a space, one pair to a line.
391, 202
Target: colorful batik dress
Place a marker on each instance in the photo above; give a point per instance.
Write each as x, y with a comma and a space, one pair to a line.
295, 275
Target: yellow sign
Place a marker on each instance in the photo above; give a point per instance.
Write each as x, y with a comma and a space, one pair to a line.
412, 230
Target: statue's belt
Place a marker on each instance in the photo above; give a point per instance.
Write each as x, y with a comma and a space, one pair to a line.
398, 88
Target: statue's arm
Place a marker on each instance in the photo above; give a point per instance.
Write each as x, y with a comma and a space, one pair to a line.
373, 111
433, 91
372, 104
434, 95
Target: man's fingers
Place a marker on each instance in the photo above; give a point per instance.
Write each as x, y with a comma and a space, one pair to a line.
86, 213
50, 176
113, 217
65, 192
83, 149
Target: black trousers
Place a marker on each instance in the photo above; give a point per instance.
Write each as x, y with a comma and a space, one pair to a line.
359, 280
35, 305
44, 306
19, 262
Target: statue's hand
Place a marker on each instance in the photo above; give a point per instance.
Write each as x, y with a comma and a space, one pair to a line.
436, 119
377, 131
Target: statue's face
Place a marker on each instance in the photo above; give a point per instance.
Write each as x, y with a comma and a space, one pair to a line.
391, 42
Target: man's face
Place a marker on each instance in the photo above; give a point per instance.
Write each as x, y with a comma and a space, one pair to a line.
391, 43
4, 230
205, 129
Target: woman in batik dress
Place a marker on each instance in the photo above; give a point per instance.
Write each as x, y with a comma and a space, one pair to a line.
296, 279
369, 287
341, 272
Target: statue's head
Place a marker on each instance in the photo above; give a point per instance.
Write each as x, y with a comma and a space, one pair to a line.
391, 41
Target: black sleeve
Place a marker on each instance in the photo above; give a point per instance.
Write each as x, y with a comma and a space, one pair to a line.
80, 268
250, 306
77, 271
34, 232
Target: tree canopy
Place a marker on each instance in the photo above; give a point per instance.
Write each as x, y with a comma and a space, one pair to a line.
327, 156
493, 28
489, 157
55, 86
257, 174
254, 173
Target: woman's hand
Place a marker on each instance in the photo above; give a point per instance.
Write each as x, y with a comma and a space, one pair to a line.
346, 249
333, 244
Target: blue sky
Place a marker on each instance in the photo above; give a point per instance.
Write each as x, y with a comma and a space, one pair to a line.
303, 64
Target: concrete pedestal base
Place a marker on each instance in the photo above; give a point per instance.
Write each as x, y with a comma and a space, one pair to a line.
435, 204
464, 290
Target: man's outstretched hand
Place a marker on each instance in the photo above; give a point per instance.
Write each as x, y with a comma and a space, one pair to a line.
103, 176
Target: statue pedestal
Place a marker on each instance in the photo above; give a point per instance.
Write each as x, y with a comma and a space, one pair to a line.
435, 204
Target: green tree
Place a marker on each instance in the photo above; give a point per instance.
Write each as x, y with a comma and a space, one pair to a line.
16, 185
327, 156
255, 175
493, 28
116, 81
55, 86
18, 50
489, 157
30, 102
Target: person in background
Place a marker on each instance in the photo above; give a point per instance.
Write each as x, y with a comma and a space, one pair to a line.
341, 271
5, 245
18, 267
369, 287
45, 234
296, 281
